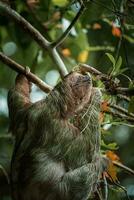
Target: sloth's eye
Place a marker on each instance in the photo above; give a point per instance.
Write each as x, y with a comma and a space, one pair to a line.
86, 78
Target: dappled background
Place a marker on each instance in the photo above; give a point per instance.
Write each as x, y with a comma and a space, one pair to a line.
107, 26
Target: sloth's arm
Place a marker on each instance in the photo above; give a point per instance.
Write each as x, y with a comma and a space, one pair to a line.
18, 98
73, 185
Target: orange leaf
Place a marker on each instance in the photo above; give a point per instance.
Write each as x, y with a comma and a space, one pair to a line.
116, 31
96, 26
112, 172
66, 52
112, 156
101, 117
104, 106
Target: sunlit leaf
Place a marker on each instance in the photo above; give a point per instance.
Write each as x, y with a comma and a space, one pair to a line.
122, 71
60, 2
118, 63
117, 67
83, 56
111, 58
110, 146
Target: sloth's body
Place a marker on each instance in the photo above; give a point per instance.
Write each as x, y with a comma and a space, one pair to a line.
57, 149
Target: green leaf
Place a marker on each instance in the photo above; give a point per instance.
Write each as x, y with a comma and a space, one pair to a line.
111, 58
118, 64
60, 3
111, 146
122, 71
115, 193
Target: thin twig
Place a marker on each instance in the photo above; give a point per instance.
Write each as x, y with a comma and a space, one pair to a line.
120, 109
99, 195
120, 115
120, 186
117, 12
120, 165
5, 173
121, 19
88, 68
123, 97
101, 48
105, 187
127, 169
20, 69
35, 34
118, 47
125, 91
56, 57
66, 33
6, 136
110, 84
131, 1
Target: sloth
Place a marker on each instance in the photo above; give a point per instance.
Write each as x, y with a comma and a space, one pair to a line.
57, 141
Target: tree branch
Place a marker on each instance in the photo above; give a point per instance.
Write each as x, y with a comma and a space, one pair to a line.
105, 187
120, 165
120, 115
66, 33
120, 109
35, 34
6, 136
56, 58
125, 91
121, 96
4, 185
87, 68
20, 69
111, 85
5, 173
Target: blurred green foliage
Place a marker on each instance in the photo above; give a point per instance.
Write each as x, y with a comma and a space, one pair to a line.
105, 30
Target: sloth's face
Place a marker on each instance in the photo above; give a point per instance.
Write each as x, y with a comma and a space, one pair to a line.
81, 87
